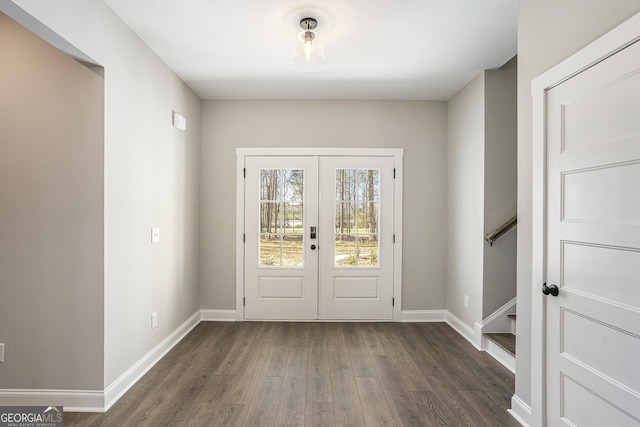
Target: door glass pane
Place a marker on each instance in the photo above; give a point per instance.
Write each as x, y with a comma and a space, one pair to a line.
292, 250
345, 217
357, 215
281, 218
293, 218
270, 250
270, 184
368, 251
373, 187
292, 184
368, 217
345, 184
269, 217
345, 250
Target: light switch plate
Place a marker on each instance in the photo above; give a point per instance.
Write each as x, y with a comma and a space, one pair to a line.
155, 235
2, 352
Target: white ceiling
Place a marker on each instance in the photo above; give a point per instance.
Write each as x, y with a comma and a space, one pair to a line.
375, 49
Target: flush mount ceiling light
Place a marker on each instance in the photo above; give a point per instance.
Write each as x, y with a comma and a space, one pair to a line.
308, 54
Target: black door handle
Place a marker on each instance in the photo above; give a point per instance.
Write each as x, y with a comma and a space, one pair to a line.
551, 289
313, 247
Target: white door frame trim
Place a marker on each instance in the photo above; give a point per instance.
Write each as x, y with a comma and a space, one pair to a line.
617, 39
396, 153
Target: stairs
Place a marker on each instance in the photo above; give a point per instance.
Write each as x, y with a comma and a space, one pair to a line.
502, 346
506, 341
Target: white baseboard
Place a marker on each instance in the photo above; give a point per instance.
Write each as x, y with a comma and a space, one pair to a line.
463, 329
125, 381
208, 315
520, 411
424, 315
499, 321
505, 309
72, 400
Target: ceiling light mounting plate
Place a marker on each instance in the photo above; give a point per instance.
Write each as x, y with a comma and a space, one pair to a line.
308, 23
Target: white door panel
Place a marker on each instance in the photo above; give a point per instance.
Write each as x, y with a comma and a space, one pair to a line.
593, 245
601, 411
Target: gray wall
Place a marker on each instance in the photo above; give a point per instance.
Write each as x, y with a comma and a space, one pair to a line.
151, 173
548, 32
481, 188
51, 216
417, 126
465, 182
500, 185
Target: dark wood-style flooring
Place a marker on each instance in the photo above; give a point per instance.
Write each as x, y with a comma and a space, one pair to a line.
317, 374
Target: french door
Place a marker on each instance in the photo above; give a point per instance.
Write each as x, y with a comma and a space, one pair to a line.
318, 237
281, 262
356, 220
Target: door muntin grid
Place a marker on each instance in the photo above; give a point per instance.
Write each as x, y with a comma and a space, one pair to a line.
357, 218
281, 218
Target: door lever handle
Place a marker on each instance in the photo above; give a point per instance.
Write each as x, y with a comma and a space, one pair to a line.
551, 289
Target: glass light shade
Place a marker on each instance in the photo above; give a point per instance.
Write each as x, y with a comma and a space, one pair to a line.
308, 54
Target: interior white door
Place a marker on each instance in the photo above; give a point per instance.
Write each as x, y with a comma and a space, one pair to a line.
281, 261
356, 238
593, 245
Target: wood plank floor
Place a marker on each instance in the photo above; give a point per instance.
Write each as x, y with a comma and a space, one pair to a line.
317, 374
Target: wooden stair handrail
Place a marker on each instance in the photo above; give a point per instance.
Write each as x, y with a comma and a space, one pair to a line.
495, 235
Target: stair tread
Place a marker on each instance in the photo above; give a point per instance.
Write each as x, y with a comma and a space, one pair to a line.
507, 341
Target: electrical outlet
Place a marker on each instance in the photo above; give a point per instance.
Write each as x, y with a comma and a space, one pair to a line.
154, 319
2, 352
155, 235
466, 301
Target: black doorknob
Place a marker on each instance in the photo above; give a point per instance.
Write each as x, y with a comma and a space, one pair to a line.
551, 289
313, 247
